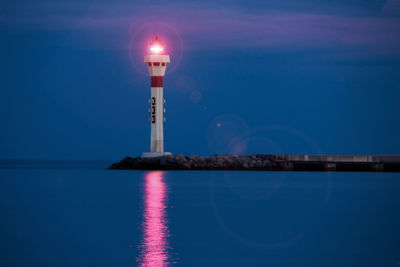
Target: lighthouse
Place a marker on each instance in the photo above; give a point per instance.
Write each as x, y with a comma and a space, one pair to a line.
156, 62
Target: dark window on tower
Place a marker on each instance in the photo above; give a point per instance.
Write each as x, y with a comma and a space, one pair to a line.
156, 63
153, 110
163, 64
153, 100
153, 119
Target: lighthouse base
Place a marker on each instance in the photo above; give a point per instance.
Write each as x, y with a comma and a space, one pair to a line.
155, 154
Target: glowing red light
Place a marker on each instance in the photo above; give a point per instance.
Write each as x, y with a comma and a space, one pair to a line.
156, 49
156, 46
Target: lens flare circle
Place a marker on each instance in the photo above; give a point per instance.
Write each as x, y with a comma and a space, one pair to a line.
225, 131
292, 134
269, 186
245, 145
246, 240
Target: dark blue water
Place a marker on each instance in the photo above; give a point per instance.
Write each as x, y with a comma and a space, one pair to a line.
79, 214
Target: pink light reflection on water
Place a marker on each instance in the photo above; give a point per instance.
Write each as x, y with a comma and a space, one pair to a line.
154, 245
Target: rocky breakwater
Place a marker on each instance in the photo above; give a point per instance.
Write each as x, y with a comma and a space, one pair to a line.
216, 162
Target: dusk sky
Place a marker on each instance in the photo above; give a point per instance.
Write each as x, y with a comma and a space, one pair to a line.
246, 76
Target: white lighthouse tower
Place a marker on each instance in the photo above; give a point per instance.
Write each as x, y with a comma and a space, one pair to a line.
157, 64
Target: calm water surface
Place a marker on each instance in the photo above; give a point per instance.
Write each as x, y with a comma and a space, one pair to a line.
79, 214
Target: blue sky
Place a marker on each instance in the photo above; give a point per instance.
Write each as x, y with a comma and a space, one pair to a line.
245, 77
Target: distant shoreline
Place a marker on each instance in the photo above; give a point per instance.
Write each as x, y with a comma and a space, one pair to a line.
265, 162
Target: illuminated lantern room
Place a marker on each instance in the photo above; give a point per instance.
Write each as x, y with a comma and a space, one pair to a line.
156, 46
156, 60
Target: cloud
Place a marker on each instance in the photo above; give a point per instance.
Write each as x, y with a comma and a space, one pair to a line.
211, 28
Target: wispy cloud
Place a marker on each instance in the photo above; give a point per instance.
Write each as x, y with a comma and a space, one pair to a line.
209, 28
391, 8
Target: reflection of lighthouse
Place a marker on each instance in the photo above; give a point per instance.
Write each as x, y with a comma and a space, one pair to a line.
154, 245
157, 64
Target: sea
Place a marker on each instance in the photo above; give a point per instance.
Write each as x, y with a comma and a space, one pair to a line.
78, 213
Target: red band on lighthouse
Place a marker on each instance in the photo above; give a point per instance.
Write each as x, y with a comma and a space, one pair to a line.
156, 81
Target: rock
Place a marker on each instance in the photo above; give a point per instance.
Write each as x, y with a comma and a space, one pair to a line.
179, 157
164, 162
171, 160
181, 162
220, 162
259, 164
